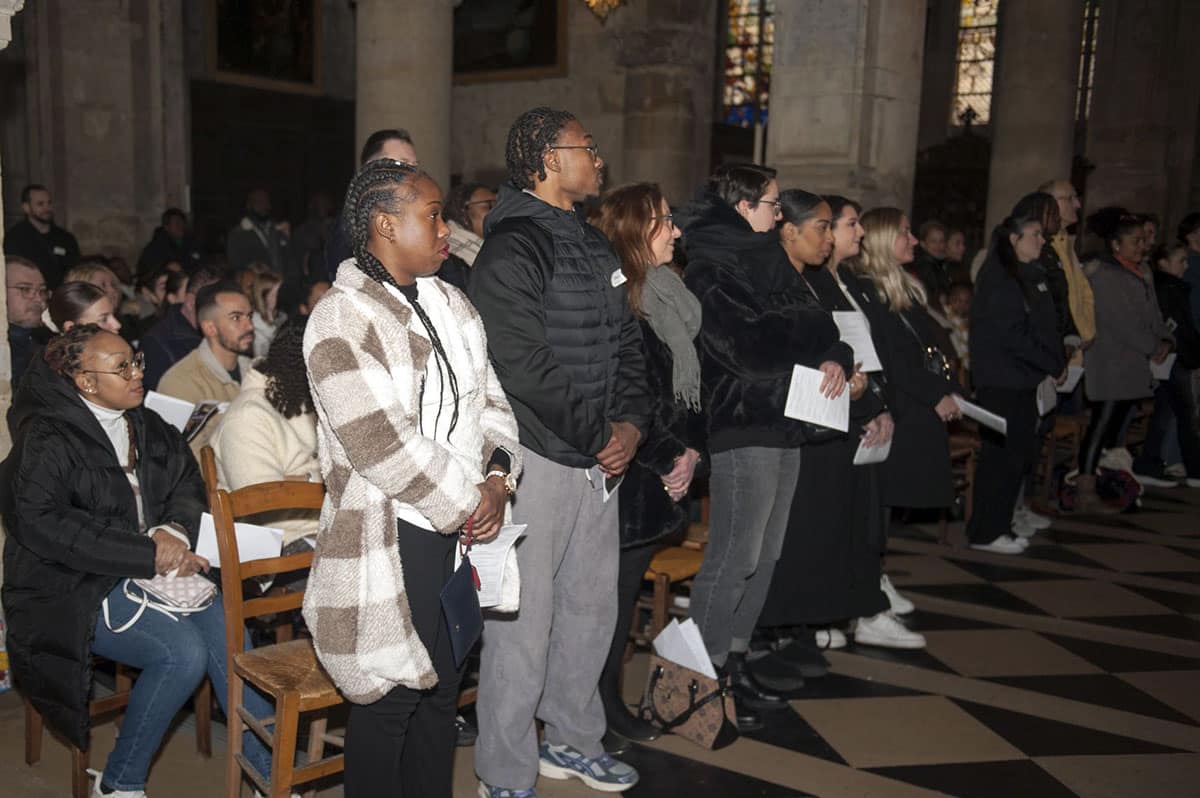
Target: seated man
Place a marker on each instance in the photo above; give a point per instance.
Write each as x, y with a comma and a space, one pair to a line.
214, 369
27, 297
177, 334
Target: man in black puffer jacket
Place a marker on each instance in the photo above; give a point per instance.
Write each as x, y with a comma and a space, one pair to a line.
567, 350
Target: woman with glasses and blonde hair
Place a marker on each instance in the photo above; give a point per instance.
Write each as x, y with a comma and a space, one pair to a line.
639, 223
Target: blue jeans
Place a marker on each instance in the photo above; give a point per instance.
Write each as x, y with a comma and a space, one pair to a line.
173, 657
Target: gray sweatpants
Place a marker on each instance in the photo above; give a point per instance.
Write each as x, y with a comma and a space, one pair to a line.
751, 493
545, 660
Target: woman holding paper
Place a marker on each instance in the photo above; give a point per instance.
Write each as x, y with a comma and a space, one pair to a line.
100, 491
920, 392
830, 569
759, 321
1015, 345
639, 223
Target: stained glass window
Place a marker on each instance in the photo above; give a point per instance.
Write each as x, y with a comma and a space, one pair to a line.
749, 49
1087, 59
976, 58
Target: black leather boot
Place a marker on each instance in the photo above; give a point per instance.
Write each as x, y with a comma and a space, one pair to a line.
747, 689
628, 725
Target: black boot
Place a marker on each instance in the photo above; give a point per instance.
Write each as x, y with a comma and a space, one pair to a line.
747, 689
747, 719
628, 725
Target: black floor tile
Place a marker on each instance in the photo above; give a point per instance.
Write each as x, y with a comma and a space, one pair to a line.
661, 774
1036, 736
1168, 625
836, 685
1067, 537
982, 779
786, 729
1180, 602
918, 659
924, 621
985, 594
1187, 552
1100, 689
1123, 659
1192, 577
1053, 553
1004, 573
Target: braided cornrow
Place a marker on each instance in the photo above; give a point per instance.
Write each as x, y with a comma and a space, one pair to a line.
64, 353
528, 139
386, 186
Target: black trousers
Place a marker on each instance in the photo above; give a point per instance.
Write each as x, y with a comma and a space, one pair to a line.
631, 568
402, 746
1003, 460
1103, 432
1172, 400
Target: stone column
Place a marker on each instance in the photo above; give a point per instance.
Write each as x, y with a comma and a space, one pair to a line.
1033, 98
845, 97
668, 56
405, 63
1141, 134
938, 71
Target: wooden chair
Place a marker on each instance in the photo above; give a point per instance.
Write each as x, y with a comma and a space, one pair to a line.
669, 567
964, 452
1068, 432
286, 672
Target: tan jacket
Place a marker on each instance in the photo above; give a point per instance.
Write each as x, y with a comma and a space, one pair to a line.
1079, 290
198, 377
255, 443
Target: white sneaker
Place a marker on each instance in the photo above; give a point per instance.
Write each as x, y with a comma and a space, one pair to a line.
1155, 481
1029, 518
1176, 470
1021, 530
1005, 544
258, 794
98, 775
900, 605
1193, 482
886, 630
830, 638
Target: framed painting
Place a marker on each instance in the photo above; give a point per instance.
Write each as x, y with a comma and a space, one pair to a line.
509, 40
268, 44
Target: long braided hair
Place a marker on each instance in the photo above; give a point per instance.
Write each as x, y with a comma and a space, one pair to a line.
387, 186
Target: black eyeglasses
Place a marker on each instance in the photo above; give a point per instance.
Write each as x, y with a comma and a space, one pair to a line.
668, 218
591, 148
124, 368
777, 203
487, 203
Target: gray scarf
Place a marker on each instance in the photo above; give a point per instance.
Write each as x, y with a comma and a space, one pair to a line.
673, 312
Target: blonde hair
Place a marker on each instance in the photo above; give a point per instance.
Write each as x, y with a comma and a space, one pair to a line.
263, 283
877, 260
86, 273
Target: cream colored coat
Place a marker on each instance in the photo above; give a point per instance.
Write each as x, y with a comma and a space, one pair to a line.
199, 377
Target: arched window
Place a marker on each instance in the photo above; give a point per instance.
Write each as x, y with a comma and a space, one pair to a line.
972, 103
1087, 59
748, 48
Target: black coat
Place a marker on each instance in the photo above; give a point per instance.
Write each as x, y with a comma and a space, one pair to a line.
647, 512
1015, 328
73, 534
54, 252
759, 320
166, 343
162, 249
564, 343
917, 472
1175, 302
456, 272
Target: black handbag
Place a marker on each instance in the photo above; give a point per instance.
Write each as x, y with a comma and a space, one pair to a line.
460, 604
935, 361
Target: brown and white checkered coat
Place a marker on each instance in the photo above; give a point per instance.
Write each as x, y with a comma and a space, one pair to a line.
365, 364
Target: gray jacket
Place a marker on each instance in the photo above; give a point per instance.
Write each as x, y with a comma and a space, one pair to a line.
1129, 328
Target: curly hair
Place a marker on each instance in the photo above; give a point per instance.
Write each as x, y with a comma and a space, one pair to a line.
64, 353
387, 186
455, 209
528, 139
287, 379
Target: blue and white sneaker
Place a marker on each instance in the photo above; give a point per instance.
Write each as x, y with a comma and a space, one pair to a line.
601, 773
486, 791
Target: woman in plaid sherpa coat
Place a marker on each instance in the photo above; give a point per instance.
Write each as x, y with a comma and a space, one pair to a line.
410, 419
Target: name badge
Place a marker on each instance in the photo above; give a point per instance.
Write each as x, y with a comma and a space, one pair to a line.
618, 278
59, 251
1042, 287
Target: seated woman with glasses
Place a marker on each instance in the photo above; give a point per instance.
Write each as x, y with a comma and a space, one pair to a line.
99, 491
467, 205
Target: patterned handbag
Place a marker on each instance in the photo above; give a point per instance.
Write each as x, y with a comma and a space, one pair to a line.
687, 703
170, 595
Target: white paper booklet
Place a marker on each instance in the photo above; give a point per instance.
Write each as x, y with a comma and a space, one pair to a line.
855, 331
985, 417
869, 455
1047, 396
1162, 371
805, 402
489, 558
1074, 375
182, 414
254, 542
681, 643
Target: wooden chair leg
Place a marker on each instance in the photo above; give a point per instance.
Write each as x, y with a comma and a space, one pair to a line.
233, 769
203, 708
79, 774
33, 734
316, 747
283, 749
662, 596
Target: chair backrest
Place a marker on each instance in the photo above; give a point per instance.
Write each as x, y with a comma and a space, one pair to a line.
226, 508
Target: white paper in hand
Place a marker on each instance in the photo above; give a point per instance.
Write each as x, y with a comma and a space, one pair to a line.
489, 558
985, 417
254, 542
681, 643
1162, 371
175, 412
805, 402
869, 455
854, 330
1047, 396
1074, 374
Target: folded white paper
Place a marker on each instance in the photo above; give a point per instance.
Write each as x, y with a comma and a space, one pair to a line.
175, 412
1047, 396
1074, 374
854, 330
869, 455
805, 402
488, 560
1162, 371
681, 643
254, 542
985, 417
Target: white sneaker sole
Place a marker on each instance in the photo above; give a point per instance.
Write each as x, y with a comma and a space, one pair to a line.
553, 771
993, 548
1157, 482
888, 642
